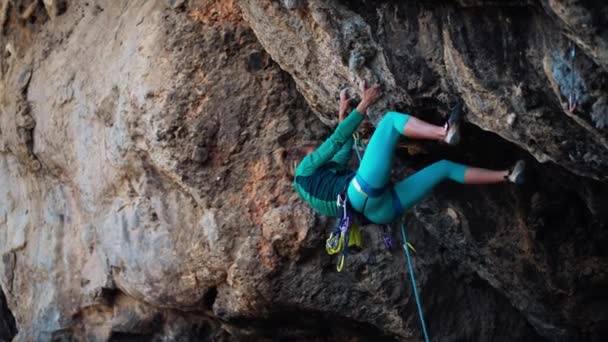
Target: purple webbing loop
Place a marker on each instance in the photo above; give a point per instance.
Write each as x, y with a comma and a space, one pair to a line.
388, 241
345, 224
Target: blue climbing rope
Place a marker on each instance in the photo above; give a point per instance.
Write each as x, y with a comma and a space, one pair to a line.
413, 279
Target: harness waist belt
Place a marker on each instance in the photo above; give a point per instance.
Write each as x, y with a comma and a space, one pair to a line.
366, 189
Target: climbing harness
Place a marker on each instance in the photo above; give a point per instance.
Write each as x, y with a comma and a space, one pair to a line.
572, 97
413, 280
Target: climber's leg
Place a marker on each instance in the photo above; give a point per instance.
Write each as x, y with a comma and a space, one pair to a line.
418, 129
376, 164
414, 188
375, 168
450, 132
474, 175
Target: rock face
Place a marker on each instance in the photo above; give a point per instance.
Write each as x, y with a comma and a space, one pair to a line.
510, 63
143, 193
124, 168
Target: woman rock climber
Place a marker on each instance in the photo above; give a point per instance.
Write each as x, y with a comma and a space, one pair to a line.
323, 173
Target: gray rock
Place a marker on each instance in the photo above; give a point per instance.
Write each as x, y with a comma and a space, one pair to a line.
599, 112
356, 61
293, 4
176, 3
55, 8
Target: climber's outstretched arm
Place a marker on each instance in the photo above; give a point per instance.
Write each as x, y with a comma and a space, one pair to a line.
342, 134
345, 153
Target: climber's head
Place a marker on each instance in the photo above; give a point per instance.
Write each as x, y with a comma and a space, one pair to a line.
295, 154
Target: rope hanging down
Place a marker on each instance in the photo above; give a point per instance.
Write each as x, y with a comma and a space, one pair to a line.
413, 279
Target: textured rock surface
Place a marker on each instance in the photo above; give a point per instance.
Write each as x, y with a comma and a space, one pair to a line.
130, 168
142, 194
509, 63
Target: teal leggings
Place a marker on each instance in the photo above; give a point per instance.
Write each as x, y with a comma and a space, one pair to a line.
391, 201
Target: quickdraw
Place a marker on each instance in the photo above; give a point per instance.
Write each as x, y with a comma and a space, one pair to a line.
345, 235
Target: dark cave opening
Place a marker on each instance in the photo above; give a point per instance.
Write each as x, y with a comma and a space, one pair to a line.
8, 328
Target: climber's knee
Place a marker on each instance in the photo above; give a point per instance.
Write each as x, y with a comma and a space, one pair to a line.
397, 120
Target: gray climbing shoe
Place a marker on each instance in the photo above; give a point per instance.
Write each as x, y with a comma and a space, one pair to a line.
453, 125
516, 174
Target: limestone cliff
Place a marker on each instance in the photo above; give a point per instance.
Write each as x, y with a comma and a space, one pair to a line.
143, 195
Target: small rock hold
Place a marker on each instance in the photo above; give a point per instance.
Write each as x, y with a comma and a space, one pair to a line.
35, 165
511, 119
29, 11
9, 261
108, 107
10, 49
24, 109
4, 8
453, 215
293, 4
599, 113
26, 121
255, 61
356, 60
176, 3
55, 8
23, 80
24, 135
200, 154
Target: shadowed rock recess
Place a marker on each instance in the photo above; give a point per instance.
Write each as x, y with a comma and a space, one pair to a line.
143, 194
